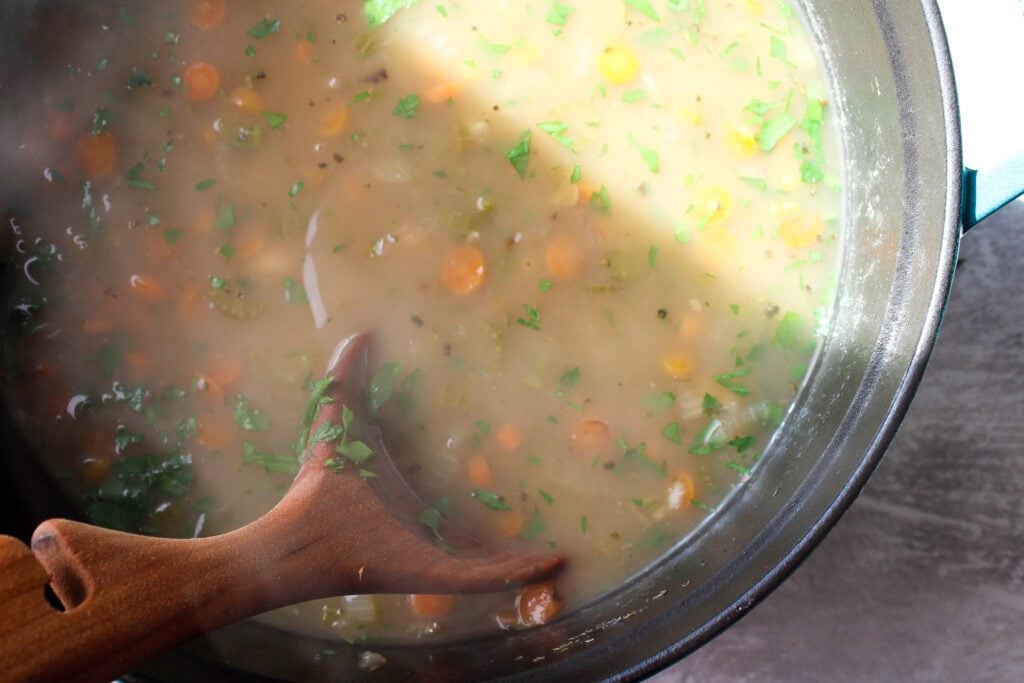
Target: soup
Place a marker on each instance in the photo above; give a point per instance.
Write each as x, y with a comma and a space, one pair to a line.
594, 242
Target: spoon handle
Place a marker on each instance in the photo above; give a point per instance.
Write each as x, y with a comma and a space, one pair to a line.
125, 599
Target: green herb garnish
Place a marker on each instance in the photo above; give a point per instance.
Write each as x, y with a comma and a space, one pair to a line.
265, 28
519, 155
407, 107
490, 499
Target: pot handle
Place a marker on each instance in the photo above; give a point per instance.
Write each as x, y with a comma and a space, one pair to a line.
980, 36
986, 191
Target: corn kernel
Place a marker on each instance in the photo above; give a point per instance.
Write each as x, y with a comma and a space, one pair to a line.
741, 140
755, 6
797, 230
618, 64
714, 207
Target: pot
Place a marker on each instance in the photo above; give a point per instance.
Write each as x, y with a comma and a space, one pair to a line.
908, 200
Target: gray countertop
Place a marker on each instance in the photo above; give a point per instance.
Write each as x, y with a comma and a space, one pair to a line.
922, 579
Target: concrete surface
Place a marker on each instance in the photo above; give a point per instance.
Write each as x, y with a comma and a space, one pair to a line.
923, 578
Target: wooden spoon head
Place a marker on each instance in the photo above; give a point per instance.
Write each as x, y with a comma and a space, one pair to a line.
361, 510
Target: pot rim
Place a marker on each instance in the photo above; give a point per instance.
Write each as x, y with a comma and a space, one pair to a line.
952, 231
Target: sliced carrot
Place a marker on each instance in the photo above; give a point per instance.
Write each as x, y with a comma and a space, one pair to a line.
441, 93
590, 437
565, 258
678, 366
464, 269
215, 433
226, 370
304, 52
207, 15
96, 154
94, 471
250, 244
334, 120
510, 523
508, 437
202, 81
248, 100
587, 191
431, 605
148, 287
478, 472
538, 604
59, 125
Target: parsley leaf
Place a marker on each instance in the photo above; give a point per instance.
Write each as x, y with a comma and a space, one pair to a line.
773, 131
407, 107
726, 380
275, 120
490, 499
557, 129
382, 384
249, 418
532, 319
135, 178
272, 463
645, 7
266, 27
519, 155
379, 11
559, 14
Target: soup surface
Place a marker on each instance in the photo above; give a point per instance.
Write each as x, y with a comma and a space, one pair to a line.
594, 242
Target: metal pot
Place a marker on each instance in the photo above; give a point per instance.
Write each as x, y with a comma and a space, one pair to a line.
907, 201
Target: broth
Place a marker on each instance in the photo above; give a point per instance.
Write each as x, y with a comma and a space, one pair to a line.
595, 244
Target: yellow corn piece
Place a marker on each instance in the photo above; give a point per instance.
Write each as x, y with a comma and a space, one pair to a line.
714, 207
742, 141
797, 230
618, 64
755, 6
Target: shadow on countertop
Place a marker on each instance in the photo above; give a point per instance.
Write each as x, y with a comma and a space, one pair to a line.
923, 579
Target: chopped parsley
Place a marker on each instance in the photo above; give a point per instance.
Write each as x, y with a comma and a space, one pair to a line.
532, 319
249, 418
275, 120
519, 155
265, 28
490, 499
407, 107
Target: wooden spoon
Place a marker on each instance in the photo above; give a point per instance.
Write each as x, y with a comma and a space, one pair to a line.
128, 598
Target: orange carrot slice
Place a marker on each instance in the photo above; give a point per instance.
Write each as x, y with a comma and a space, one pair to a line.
202, 81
